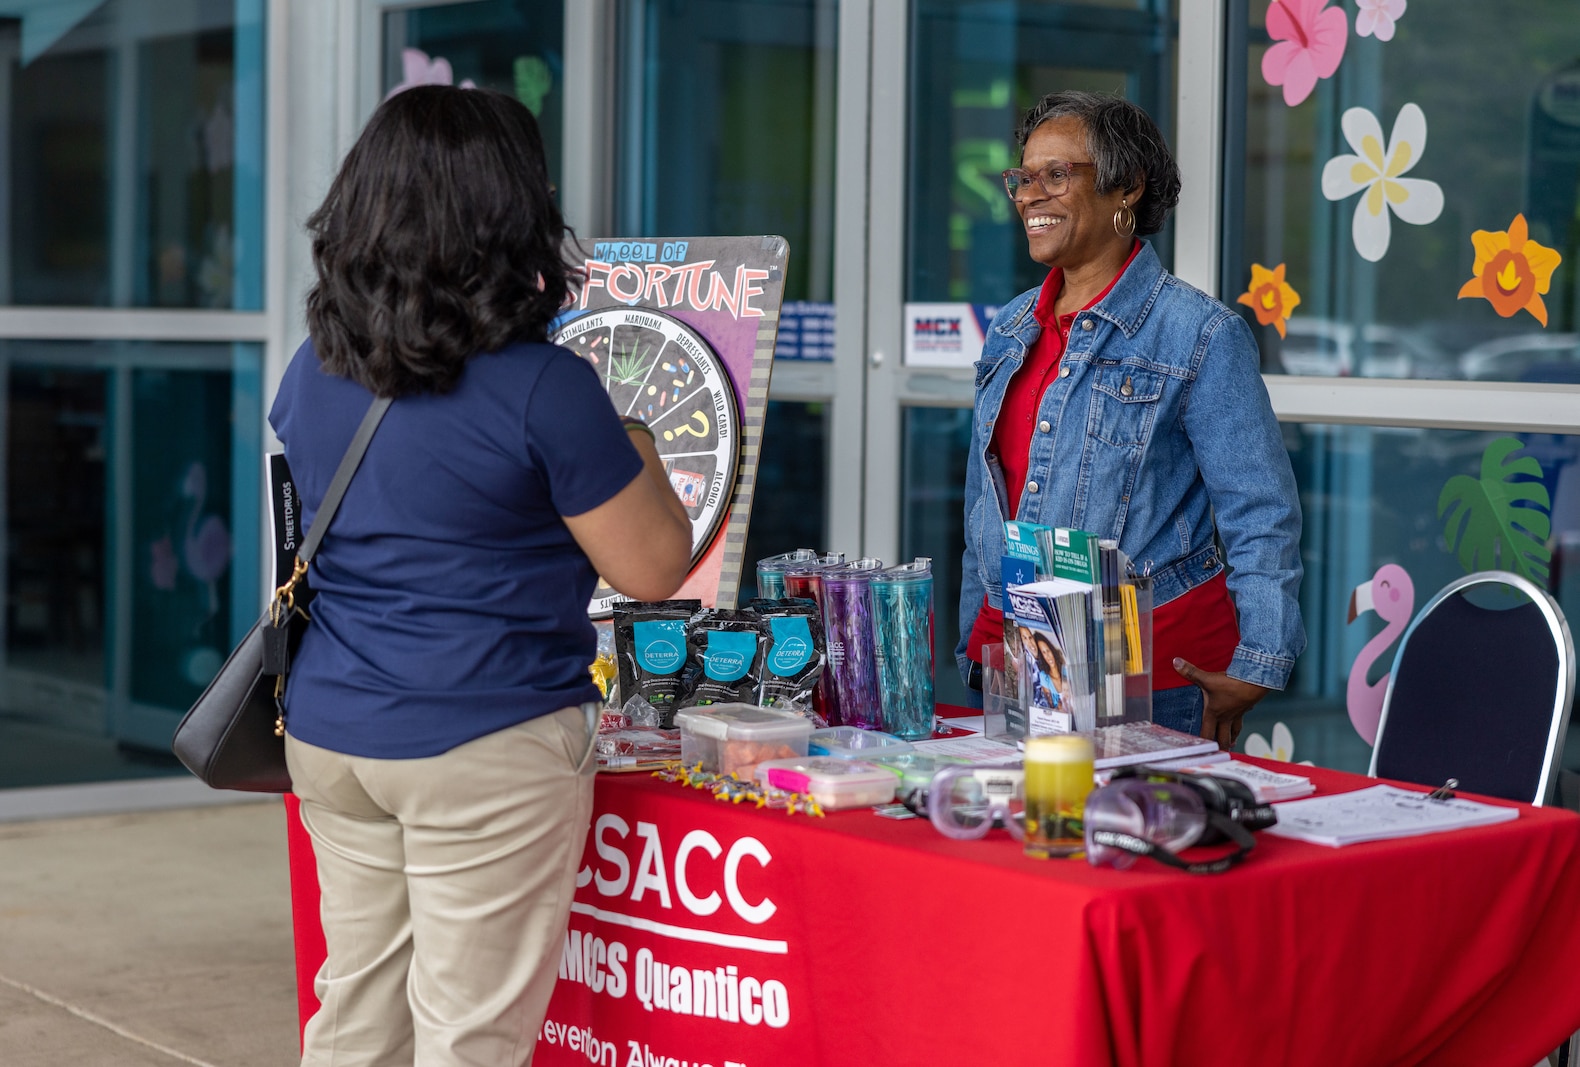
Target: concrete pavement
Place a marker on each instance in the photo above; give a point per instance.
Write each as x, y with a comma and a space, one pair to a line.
148, 940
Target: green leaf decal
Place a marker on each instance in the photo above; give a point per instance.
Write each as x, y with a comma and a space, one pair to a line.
1496, 522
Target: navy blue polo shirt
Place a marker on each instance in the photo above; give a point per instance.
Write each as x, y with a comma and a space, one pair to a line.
452, 599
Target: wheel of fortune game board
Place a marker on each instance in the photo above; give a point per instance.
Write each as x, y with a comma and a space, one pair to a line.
661, 371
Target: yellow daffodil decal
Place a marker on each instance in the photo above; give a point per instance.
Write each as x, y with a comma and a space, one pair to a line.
1512, 271
1270, 296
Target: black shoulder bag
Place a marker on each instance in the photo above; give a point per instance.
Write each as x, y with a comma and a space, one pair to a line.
232, 738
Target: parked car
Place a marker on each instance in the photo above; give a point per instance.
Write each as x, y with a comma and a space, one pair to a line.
1537, 356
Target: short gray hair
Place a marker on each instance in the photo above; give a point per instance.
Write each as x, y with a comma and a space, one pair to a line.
1124, 143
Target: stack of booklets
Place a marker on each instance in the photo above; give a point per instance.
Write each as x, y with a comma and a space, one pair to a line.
1146, 742
1379, 813
1268, 786
1128, 743
1076, 635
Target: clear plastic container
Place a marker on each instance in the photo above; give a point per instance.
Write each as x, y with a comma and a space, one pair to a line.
834, 783
848, 742
735, 738
914, 770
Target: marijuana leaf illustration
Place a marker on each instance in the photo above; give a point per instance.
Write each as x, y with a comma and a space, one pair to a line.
627, 368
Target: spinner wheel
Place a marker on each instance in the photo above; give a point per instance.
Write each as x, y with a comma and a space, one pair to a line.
660, 370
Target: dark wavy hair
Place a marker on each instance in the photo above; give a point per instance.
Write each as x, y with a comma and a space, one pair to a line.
438, 240
1125, 144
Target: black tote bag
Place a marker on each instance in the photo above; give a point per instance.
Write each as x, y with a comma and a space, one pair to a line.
233, 737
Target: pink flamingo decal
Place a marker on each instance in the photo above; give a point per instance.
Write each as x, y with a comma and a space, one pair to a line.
1391, 594
205, 549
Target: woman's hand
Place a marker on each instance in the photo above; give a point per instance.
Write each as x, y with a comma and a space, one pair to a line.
1225, 701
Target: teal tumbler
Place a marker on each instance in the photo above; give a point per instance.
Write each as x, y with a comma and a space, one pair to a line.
902, 617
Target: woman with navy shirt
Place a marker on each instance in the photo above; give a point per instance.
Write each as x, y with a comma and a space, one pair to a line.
440, 715
1118, 400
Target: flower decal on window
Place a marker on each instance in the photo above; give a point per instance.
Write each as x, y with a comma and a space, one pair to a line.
1376, 18
1511, 270
1282, 748
418, 68
1310, 40
1270, 296
1376, 171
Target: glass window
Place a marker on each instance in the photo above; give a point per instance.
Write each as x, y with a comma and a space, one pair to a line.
788, 510
975, 69
134, 136
932, 523
727, 127
515, 46
1421, 502
131, 535
1478, 109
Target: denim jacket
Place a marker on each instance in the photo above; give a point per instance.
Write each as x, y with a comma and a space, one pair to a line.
1157, 424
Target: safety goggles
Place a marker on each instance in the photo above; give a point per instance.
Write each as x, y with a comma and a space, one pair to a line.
1145, 812
964, 803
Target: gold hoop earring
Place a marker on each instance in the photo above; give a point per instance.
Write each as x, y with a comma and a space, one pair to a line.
1125, 220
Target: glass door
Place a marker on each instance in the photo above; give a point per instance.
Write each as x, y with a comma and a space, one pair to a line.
947, 247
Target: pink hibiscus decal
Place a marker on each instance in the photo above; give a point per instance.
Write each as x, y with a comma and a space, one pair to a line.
1376, 18
419, 69
1311, 38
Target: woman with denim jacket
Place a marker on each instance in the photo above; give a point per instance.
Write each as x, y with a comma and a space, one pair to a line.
1118, 400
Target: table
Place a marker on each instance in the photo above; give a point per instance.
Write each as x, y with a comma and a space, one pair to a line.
855, 940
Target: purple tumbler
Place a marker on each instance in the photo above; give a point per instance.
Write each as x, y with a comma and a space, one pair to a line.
852, 695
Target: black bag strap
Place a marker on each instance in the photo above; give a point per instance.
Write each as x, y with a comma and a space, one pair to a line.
337, 486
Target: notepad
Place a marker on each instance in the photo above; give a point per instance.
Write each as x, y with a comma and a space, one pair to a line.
1379, 813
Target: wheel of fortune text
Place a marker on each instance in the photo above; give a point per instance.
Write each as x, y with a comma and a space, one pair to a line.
660, 370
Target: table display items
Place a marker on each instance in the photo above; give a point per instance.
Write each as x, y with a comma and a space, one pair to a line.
848, 742
724, 651
1380, 813
902, 613
1146, 742
1267, 786
1078, 636
1148, 812
834, 783
771, 571
735, 738
850, 685
803, 579
964, 803
796, 656
1057, 780
676, 654
913, 770
650, 650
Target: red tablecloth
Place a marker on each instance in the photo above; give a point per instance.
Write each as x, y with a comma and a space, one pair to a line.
855, 940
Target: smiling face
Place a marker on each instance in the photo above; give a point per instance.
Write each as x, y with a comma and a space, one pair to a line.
1076, 227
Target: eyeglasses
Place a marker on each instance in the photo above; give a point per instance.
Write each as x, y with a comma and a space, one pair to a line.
1054, 178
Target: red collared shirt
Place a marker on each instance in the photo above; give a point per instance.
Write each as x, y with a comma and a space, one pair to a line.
1200, 626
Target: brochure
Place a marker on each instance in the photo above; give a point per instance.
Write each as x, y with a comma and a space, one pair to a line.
1267, 785
1379, 813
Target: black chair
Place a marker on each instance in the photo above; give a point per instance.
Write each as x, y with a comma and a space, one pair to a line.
1480, 691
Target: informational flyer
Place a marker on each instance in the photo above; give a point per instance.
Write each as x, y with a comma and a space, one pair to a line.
682, 332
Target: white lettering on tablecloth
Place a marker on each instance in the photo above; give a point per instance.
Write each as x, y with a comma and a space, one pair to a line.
580, 1039
611, 834
720, 992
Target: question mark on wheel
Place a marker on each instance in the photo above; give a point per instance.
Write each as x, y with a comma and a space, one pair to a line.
699, 418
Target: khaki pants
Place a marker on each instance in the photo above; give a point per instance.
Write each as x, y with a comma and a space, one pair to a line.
447, 884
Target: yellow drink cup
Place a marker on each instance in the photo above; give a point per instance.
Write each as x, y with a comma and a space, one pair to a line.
1058, 778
